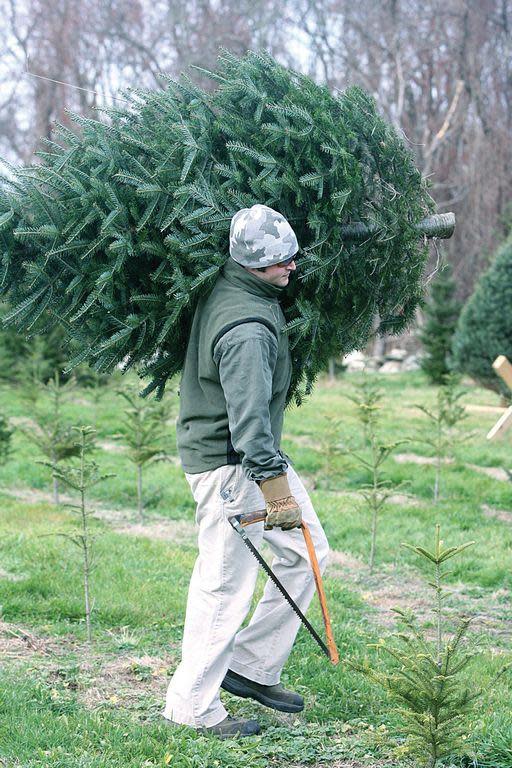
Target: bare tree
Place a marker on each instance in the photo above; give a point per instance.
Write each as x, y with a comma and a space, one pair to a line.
102, 47
441, 72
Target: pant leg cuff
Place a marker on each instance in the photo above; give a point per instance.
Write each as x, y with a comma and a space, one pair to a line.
254, 674
185, 718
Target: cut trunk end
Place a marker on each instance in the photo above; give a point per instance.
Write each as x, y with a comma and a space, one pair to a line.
438, 225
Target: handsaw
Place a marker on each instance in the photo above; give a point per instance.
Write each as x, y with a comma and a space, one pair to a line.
239, 522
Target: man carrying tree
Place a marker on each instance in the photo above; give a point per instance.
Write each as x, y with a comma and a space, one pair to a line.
232, 398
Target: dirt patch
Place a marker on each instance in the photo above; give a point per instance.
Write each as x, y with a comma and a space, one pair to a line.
305, 440
124, 681
84, 401
12, 576
497, 473
98, 679
345, 561
173, 460
111, 447
389, 588
413, 458
499, 514
33, 496
312, 483
406, 595
18, 643
22, 421
484, 408
403, 498
177, 531
121, 520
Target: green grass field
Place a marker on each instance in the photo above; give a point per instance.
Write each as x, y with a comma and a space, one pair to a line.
65, 705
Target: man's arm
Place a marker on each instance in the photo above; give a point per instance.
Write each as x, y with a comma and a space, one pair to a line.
246, 357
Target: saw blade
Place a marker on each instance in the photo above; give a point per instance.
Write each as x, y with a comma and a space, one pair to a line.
312, 631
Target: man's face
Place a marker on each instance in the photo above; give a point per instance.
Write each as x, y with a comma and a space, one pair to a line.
276, 274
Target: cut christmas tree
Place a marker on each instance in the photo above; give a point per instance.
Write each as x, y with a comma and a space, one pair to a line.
124, 225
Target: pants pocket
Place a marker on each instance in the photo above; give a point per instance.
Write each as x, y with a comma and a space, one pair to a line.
230, 483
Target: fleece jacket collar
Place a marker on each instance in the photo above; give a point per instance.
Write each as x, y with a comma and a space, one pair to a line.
237, 275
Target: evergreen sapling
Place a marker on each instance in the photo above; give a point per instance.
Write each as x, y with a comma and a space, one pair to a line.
81, 478
5, 439
441, 315
330, 447
444, 432
379, 489
25, 358
53, 437
426, 677
144, 430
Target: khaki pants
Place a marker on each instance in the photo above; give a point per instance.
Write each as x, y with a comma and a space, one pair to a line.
221, 589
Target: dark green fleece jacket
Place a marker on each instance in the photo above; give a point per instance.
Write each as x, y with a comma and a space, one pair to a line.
235, 379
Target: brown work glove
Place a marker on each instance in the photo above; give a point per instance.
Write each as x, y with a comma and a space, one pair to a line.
282, 509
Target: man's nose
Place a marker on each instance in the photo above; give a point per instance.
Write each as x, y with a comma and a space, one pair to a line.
292, 266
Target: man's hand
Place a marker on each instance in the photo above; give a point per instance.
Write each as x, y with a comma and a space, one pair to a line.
282, 508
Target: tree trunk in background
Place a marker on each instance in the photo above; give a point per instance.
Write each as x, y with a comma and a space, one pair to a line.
377, 348
451, 96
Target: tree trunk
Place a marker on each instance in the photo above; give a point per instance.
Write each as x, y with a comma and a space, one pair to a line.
55, 490
438, 225
86, 570
139, 492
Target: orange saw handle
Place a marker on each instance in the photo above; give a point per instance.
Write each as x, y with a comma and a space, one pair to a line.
257, 517
333, 651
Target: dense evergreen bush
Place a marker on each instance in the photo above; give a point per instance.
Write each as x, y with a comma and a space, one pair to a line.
36, 358
484, 330
441, 314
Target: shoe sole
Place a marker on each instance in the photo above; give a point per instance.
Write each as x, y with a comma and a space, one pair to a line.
235, 735
267, 701
208, 732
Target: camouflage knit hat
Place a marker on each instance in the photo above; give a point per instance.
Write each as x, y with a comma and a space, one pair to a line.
260, 236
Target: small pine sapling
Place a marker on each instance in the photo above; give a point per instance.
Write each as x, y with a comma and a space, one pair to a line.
5, 439
444, 422
96, 386
441, 314
426, 676
82, 478
330, 447
28, 377
144, 430
377, 491
52, 436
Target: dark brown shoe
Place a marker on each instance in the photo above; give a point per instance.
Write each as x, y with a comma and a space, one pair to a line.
231, 727
273, 696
